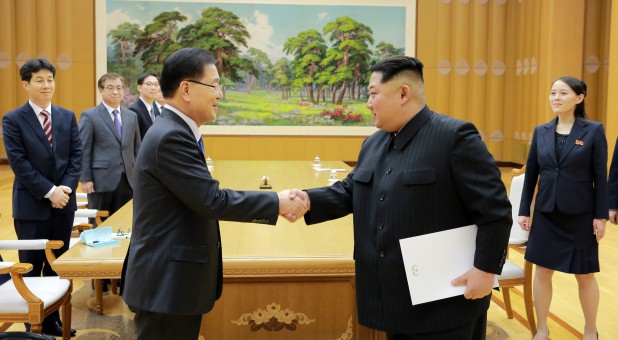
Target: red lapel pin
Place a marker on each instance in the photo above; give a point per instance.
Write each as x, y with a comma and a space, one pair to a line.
579, 142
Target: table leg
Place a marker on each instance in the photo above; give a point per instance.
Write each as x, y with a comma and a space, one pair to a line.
98, 293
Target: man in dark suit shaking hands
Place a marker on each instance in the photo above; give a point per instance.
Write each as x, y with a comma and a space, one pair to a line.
45, 152
423, 172
173, 271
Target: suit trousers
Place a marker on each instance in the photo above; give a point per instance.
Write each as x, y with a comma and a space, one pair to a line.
154, 326
111, 200
475, 330
56, 227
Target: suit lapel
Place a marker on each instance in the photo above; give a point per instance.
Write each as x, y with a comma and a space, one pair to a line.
102, 110
30, 117
173, 116
578, 131
125, 123
549, 139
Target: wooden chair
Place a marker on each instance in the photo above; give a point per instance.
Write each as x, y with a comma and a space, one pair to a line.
512, 274
31, 299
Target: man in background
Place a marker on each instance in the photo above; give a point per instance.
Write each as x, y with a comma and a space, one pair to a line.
173, 270
111, 139
145, 107
421, 173
45, 152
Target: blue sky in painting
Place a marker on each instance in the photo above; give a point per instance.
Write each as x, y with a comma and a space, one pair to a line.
270, 25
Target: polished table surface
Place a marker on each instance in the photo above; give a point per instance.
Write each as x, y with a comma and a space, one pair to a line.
246, 246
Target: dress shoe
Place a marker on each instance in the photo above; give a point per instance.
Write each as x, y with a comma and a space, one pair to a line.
55, 329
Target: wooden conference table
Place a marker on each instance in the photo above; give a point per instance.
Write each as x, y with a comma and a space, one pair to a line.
289, 281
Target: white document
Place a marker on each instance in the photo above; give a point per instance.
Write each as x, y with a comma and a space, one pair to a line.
433, 260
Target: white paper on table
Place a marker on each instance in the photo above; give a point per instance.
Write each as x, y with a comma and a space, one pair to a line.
433, 260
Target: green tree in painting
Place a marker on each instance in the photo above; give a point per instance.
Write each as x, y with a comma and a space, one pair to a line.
308, 49
123, 38
263, 65
220, 32
246, 67
384, 50
282, 77
157, 41
359, 64
349, 37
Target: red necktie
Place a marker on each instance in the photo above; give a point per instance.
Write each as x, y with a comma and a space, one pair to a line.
47, 128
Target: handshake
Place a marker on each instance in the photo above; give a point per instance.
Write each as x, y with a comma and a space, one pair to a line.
293, 204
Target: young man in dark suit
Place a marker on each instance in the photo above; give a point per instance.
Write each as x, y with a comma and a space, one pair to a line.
45, 152
145, 107
173, 271
422, 173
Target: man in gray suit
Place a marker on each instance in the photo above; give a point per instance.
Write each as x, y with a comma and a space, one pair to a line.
173, 271
111, 139
421, 173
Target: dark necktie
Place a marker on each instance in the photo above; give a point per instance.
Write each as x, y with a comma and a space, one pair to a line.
117, 123
47, 128
155, 110
200, 142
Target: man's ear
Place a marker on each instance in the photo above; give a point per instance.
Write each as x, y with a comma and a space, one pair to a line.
405, 93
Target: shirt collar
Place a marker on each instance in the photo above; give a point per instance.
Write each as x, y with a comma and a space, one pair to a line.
192, 125
148, 106
110, 109
37, 110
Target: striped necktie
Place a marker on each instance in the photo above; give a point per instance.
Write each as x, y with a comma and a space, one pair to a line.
47, 127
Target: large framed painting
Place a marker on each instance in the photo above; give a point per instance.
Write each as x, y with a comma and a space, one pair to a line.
288, 67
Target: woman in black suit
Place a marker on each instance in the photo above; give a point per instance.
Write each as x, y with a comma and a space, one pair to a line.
568, 158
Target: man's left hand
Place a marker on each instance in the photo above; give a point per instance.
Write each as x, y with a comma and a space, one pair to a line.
479, 283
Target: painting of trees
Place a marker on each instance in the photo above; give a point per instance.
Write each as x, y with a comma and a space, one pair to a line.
328, 60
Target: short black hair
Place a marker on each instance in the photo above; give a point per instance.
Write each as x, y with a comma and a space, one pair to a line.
33, 66
186, 63
392, 66
143, 76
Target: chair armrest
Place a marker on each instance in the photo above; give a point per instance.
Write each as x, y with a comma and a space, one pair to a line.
5, 267
17, 272
23, 244
49, 250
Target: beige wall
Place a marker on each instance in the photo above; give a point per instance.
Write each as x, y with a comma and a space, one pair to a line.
490, 62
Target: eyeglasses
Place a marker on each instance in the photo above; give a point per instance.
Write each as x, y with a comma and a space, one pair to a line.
217, 88
111, 88
149, 84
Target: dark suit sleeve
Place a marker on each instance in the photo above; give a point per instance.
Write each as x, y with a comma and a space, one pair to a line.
331, 202
483, 194
613, 180
601, 208
86, 131
16, 152
531, 177
181, 169
74, 168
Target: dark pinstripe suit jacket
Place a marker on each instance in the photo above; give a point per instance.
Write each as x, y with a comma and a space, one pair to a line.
436, 174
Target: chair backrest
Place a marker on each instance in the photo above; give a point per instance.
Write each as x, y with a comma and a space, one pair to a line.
518, 235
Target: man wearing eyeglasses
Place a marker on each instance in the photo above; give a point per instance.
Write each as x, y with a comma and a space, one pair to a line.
173, 271
111, 139
145, 107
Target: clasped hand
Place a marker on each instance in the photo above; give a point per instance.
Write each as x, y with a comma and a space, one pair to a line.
60, 196
293, 204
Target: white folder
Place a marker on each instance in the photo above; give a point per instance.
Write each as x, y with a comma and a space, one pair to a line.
433, 260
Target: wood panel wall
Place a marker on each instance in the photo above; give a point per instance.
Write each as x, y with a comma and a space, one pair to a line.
487, 61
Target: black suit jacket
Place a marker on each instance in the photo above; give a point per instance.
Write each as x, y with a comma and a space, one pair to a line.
613, 180
38, 166
436, 174
575, 183
143, 116
174, 262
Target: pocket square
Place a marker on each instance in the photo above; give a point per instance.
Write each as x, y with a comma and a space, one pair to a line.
579, 142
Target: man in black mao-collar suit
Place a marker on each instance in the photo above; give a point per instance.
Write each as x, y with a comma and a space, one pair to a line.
422, 173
